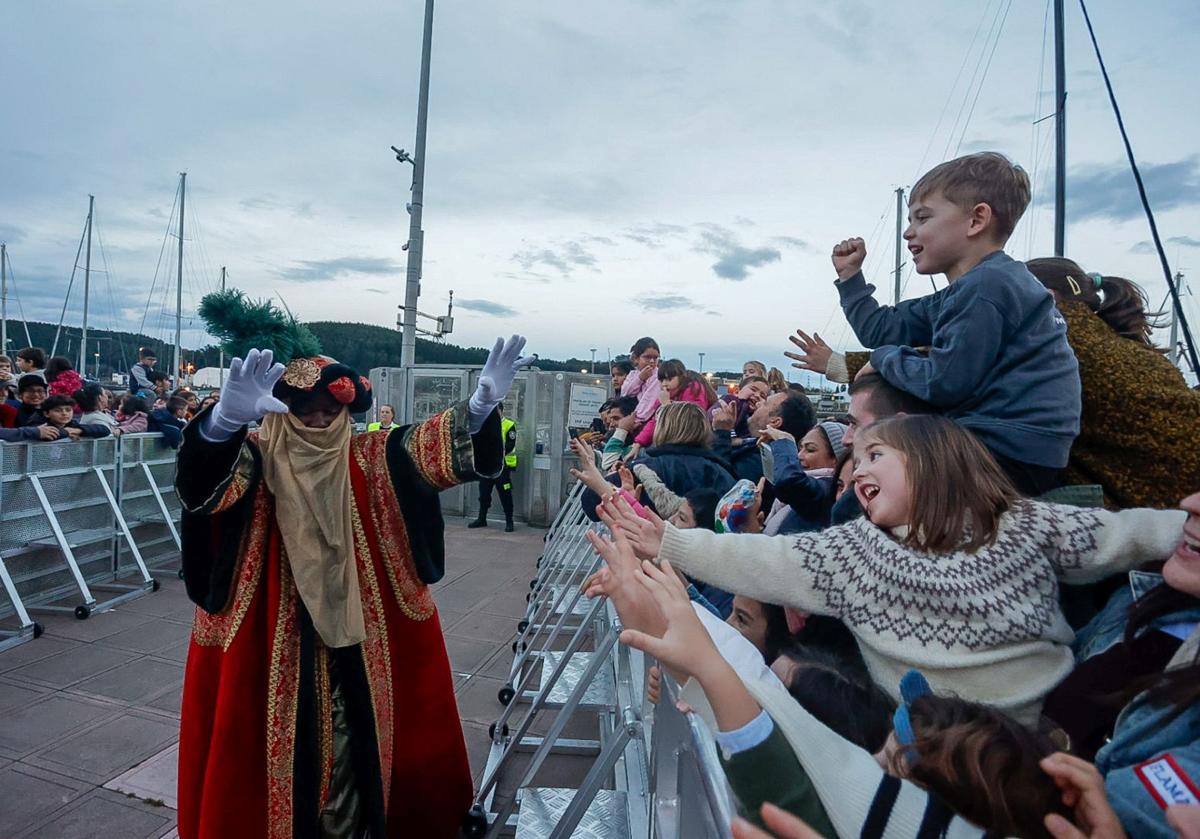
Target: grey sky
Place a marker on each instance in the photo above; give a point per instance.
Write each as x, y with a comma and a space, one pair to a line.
596, 172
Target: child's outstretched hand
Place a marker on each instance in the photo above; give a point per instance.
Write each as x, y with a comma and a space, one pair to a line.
1083, 791
644, 534
848, 257
685, 647
814, 353
618, 582
784, 825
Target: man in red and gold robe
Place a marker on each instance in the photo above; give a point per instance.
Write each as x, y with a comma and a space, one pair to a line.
318, 699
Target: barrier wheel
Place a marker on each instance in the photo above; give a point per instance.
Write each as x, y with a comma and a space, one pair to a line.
180, 572
523, 646
492, 730
522, 626
506, 695
38, 629
533, 583
155, 585
475, 825
82, 612
529, 597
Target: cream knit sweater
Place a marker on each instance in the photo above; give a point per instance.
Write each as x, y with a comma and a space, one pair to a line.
984, 626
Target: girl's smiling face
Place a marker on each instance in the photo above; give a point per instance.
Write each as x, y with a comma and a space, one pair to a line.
814, 450
1182, 571
881, 484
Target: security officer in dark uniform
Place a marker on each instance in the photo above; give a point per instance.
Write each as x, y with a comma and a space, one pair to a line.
503, 482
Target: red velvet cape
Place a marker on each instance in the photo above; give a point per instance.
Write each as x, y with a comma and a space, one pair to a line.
249, 686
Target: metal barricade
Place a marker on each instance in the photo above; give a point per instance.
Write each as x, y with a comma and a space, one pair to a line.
655, 770
146, 489
691, 796
62, 525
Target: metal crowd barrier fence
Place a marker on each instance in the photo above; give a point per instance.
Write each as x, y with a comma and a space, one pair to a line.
68, 517
654, 770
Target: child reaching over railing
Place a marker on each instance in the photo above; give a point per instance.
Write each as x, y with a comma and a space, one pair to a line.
950, 572
975, 761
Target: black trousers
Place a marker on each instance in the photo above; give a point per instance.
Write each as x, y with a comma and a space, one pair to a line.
503, 486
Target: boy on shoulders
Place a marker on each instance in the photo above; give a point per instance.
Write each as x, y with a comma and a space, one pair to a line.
998, 360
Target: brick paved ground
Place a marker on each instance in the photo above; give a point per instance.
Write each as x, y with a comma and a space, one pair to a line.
89, 712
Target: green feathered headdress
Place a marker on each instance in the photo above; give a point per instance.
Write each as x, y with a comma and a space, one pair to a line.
242, 324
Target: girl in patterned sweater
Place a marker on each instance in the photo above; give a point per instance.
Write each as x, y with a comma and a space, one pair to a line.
949, 572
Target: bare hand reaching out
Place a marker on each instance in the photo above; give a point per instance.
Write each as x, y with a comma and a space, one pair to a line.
814, 353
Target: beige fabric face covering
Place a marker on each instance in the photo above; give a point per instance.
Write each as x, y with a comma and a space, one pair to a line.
308, 472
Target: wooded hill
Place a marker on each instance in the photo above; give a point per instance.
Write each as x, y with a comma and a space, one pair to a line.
361, 345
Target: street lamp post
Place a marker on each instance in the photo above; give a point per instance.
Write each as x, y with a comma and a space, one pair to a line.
593, 359
701, 370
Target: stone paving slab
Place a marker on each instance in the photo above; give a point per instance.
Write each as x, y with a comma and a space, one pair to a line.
89, 712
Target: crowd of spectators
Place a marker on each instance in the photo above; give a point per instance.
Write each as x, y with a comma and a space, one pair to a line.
46, 400
969, 606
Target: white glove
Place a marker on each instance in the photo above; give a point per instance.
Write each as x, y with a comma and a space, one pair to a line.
496, 380
246, 396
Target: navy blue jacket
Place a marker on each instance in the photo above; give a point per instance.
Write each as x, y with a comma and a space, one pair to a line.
167, 424
998, 362
681, 469
745, 461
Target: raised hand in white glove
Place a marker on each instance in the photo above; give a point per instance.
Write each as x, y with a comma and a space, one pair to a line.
496, 380
246, 396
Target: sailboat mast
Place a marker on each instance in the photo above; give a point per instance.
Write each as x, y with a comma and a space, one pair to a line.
3, 298
179, 284
87, 288
1173, 352
1060, 131
899, 240
221, 362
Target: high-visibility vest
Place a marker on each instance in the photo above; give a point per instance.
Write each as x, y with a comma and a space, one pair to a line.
378, 426
508, 430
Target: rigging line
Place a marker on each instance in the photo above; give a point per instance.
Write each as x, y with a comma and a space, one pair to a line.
1034, 126
950, 95
112, 306
979, 62
157, 265
12, 278
983, 78
1137, 176
70, 285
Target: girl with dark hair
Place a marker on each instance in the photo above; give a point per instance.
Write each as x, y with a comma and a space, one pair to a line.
61, 378
677, 384
93, 403
1140, 420
949, 571
1134, 700
643, 381
134, 415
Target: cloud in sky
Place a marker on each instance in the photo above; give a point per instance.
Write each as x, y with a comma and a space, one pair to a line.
665, 302
1110, 192
734, 261
655, 234
1146, 246
563, 257
487, 307
307, 270
568, 143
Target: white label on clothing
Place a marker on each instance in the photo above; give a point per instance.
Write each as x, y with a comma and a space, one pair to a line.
1169, 784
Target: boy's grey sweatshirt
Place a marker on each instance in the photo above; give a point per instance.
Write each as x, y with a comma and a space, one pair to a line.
998, 361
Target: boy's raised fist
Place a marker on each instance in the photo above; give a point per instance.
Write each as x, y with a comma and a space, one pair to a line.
848, 256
